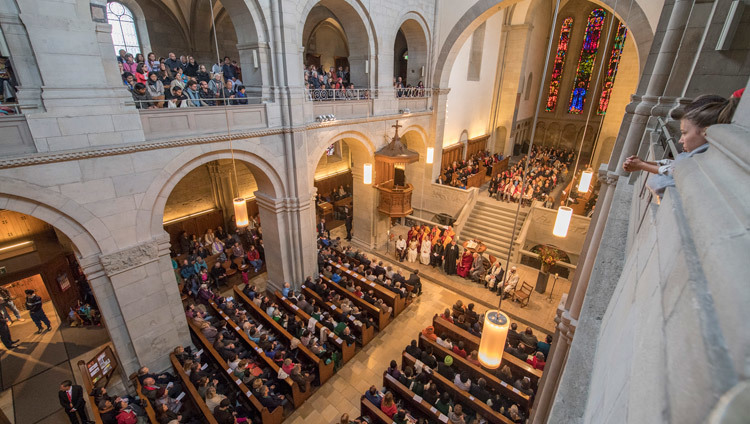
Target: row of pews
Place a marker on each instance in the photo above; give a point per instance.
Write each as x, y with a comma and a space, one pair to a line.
418, 407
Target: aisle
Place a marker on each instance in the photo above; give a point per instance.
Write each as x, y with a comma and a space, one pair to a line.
342, 392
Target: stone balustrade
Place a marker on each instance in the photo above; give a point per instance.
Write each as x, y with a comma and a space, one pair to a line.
192, 121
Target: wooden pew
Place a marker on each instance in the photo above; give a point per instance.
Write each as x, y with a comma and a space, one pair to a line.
365, 332
518, 367
381, 316
87, 389
367, 409
355, 262
389, 297
200, 404
476, 371
416, 405
460, 396
325, 371
150, 412
267, 417
346, 349
298, 396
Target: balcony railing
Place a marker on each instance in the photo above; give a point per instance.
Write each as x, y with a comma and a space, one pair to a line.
328, 95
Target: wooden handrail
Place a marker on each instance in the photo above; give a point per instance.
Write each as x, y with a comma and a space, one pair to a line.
150, 413
460, 396
381, 316
367, 409
325, 371
494, 383
390, 298
268, 417
366, 332
208, 415
471, 342
403, 392
298, 396
347, 350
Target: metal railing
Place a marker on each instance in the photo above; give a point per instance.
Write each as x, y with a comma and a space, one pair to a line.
200, 102
322, 95
11, 109
412, 92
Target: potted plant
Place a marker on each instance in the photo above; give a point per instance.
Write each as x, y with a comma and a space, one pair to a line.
548, 256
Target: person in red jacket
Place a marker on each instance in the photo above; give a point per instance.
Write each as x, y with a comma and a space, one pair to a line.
126, 414
537, 361
253, 258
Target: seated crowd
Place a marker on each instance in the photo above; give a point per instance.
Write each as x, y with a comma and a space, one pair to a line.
543, 170
172, 83
205, 261
458, 173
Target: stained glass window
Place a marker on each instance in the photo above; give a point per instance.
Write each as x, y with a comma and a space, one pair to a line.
557, 67
586, 62
124, 35
614, 63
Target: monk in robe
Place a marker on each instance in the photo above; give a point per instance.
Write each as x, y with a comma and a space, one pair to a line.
450, 258
412, 234
449, 234
465, 265
434, 235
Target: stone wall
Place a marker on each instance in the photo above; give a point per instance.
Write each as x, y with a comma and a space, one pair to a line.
192, 194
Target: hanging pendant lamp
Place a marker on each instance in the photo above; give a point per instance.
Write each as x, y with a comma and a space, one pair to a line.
494, 334
562, 222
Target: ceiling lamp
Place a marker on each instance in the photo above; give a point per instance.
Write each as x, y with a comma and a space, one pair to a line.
494, 334
562, 222
585, 183
430, 155
240, 212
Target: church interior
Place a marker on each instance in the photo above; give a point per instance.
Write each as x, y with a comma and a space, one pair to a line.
339, 211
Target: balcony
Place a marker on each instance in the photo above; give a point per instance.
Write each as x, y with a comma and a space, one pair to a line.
15, 137
189, 121
413, 99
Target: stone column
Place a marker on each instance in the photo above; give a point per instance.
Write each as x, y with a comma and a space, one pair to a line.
222, 187
288, 238
112, 317
25, 65
256, 66
146, 294
662, 69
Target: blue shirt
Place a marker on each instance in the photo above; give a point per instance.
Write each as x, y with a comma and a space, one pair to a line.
335, 278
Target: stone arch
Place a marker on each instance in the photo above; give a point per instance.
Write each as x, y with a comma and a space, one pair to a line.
151, 210
417, 34
252, 39
87, 232
360, 32
637, 24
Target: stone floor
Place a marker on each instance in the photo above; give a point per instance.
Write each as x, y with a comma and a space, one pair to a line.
31, 374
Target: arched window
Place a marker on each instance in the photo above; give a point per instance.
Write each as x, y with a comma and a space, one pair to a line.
124, 35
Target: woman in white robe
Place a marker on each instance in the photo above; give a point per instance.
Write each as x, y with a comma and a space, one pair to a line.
424, 256
411, 255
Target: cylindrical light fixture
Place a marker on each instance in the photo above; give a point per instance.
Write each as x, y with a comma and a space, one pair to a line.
494, 334
240, 212
562, 222
585, 183
430, 155
367, 178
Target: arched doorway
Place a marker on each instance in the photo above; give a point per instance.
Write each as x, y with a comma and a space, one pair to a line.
410, 52
335, 35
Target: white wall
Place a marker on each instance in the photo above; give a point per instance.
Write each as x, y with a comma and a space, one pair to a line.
469, 102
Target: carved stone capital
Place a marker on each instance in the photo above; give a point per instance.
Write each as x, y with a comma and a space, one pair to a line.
115, 263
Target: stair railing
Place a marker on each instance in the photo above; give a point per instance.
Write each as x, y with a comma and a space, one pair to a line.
463, 214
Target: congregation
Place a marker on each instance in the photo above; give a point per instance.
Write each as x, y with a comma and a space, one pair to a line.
533, 177
457, 174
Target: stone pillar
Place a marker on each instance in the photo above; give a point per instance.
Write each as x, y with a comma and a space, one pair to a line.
662, 69
146, 294
112, 317
288, 238
369, 227
256, 66
222, 187
25, 65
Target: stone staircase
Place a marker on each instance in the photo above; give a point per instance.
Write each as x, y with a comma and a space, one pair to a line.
491, 221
